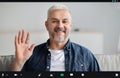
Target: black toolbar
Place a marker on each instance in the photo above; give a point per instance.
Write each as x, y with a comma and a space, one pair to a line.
59, 74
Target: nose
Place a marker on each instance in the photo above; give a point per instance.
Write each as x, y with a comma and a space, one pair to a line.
60, 24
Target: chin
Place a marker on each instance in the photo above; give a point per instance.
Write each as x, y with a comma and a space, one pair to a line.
59, 40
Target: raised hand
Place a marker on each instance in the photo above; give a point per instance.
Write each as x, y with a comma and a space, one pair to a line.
22, 50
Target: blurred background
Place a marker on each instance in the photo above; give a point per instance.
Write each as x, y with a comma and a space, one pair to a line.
95, 25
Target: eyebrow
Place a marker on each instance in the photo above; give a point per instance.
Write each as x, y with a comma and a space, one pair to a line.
54, 19
57, 19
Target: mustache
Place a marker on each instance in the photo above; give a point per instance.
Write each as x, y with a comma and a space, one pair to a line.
57, 29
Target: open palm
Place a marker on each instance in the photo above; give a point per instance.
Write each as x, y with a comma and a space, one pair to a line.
23, 51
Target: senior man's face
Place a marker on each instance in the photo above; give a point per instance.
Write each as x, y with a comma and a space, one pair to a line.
59, 24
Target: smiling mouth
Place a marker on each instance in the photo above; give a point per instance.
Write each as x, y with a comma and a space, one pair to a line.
59, 30
60, 33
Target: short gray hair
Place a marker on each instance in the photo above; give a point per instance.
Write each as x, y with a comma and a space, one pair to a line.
58, 7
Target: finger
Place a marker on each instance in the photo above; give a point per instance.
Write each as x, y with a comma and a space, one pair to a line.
16, 41
32, 47
19, 37
23, 36
28, 38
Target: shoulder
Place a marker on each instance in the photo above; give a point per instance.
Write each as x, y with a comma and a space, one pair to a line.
81, 49
42, 45
38, 50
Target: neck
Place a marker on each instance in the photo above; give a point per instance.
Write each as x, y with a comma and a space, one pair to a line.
57, 45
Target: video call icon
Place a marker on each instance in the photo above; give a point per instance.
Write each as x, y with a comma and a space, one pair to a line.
71, 74
3, 74
39, 74
15, 74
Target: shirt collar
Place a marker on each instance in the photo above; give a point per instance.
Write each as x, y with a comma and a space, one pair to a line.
67, 46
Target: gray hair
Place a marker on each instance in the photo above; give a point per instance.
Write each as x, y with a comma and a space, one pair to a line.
58, 7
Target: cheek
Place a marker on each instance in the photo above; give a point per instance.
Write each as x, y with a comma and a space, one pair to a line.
50, 29
68, 28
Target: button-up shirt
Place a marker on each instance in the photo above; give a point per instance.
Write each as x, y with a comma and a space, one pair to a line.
77, 58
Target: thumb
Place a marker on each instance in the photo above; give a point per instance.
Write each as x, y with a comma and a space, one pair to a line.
32, 47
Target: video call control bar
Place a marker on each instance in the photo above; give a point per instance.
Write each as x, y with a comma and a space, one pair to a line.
59, 74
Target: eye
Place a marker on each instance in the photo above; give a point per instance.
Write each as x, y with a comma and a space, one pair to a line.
65, 21
54, 21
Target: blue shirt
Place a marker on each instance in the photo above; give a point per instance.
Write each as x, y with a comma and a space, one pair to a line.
77, 58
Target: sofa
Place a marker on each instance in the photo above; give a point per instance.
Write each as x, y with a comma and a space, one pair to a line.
107, 62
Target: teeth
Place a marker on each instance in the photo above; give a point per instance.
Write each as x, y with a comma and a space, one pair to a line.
59, 29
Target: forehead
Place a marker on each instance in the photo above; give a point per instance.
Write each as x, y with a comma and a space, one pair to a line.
59, 14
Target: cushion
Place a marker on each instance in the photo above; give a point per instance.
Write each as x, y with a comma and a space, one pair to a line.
5, 62
108, 62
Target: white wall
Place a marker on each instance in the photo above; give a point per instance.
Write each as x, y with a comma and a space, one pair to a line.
95, 17
91, 40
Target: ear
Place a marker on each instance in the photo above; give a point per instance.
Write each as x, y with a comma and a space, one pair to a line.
46, 24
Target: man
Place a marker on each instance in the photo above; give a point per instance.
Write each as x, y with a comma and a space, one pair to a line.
58, 53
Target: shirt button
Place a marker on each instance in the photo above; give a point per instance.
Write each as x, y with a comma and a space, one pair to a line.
82, 65
47, 67
49, 54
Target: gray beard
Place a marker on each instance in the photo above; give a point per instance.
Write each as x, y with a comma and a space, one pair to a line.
59, 39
